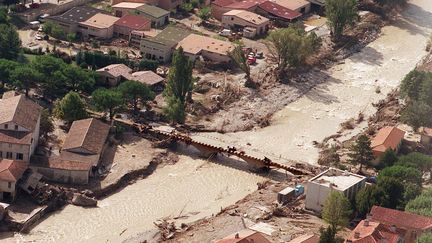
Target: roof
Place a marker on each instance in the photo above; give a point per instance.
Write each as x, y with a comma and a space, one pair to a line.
400, 219
374, 232
116, 70
146, 77
20, 110
170, 36
132, 21
129, 5
245, 4
250, 17
153, 11
245, 236
338, 179
76, 14
387, 137
292, 4
194, 44
307, 238
16, 137
11, 170
222, 3
101, 21
279, 11
89, 134
55, 162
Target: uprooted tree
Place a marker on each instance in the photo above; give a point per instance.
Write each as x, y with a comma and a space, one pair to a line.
239, 58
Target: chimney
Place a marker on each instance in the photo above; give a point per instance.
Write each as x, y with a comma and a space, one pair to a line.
237, 236
356, 235
366, 222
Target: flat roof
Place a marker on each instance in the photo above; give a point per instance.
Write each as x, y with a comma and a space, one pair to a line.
338, 179
250, 17
101, 21
129, 5
153, 11
196, 43
170, 36
77, 14
292, 4
132, 21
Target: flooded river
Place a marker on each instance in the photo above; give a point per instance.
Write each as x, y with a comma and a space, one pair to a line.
196, 188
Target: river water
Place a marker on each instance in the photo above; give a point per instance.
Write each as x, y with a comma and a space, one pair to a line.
196, 188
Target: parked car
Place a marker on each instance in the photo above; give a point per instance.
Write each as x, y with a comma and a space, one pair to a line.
225, 32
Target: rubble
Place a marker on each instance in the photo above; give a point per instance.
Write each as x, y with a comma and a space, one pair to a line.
83, 200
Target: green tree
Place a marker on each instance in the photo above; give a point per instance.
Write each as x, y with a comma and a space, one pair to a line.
425, 238
239, 58
419, 160
417, 114
327, 235
4, 17
70, 108
422, 204
25, 78
134, 91
361, 152
179, 86
204, 13
107, 100
78, 79
6, 69
10, 43
340, 13
402, 173
53, 79
412, 83
46, 123
389, 158
394, 191
369, 196
336, 210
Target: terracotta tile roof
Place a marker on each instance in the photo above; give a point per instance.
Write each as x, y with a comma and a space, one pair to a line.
56, 162
7, 136
387, 137
11, 170
20, 110
194, 44
88, 134
90, 159
292, 4
222, 3
247, 16
400, 219
279, 11
245, 236
146, 77
245, 4
116, 70
375, 232
101, 21
132, 21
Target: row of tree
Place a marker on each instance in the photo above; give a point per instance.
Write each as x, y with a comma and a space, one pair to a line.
97, 60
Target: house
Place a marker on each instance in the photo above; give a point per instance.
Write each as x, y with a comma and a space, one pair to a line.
240, 19
210, 49
98, 26
277, 13
413, 225
158, 16
332, 180
301, 6
368, 231
426, 136
10, 173
151, 2
219, 7
306, 238
388, 137
148, 78
125, 8
161, 47
128, 23
80, 154
19, 127
113, 74
244, 236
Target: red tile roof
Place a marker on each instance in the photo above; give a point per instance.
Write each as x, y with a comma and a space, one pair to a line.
375, 232
400, 219
20, 110
245, 4
116, 70
279, 11
132, 21
8, 136
387, 137
55, 162
146, 77
245, 236
11, 170
222, 3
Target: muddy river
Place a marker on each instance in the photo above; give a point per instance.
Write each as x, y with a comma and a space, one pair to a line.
195, 188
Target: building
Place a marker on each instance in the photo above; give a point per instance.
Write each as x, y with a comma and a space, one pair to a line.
319, 187
413, 225
210, 49
277, 13
386, 138
113, 74
158, 16
161, 47
168, 5
98, 26
80, 154
307, 238
128, 23
219, 7
148, 78
125, 8
371, 232
19, 127
151, 2
244, 236
69, 20
301, 6
10, 173
240, 19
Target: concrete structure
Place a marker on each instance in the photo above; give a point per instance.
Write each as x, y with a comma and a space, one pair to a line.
161, 47
371, 231
240, 19
210, 49
125, 8
301, 6
280, 15
158, 16
98, 26
412, 225
10, 173
319, 187
19, 127
244, 236
219, 7
286, 195
128, 23
386, 138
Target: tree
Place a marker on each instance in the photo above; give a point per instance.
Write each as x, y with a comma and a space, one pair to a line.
239, 58
70, 108
361, 151
419, 160
78, 79
369, 196
25, 78
6, 69
10, 43
291, 46
204, 13
53, 79
417, 114
412, 83
107, 99
340, 13
71, 37
337, 210
327, 235
46, 123
402, 173
179, 86
389, 158
4, 17
424, 238
133, 91
422, 204
394, 191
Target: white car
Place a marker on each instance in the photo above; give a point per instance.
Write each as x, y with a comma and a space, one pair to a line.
40, 29
39, 37
225, 32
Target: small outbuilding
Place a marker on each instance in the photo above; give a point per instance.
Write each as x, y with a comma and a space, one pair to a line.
389, 137
241, 19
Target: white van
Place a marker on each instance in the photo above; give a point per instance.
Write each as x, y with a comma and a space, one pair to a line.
225, 32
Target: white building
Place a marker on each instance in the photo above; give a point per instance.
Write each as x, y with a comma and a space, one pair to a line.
321, 185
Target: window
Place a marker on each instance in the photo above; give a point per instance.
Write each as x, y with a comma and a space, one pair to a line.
232, 18
10, 145
9, 184
19, 156
1, 154
8, 155
6, 126
16, 127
